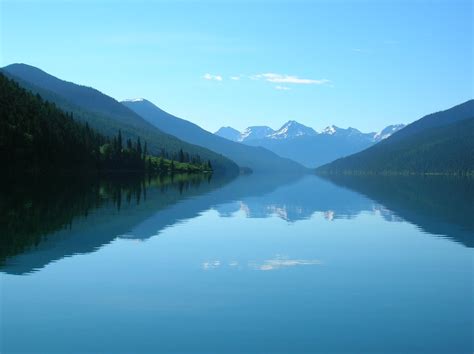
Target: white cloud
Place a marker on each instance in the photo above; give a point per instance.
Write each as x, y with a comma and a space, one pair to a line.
235, 78
282, 88
212, 77
288, 79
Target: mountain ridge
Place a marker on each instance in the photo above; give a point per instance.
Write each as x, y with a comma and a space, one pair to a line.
438, 143
257, 158
308, 146
107, 115
306, 131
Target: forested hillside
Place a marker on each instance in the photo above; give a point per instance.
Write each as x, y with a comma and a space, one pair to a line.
441, 143
257, 158
35, 135
108, 116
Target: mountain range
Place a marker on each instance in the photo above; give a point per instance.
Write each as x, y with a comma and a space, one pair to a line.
160, 130
106, 115
439, 143
254, 157
306, 145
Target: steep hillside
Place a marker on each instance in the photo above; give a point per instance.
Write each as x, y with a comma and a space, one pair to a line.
440, 143
257, 158
107, 115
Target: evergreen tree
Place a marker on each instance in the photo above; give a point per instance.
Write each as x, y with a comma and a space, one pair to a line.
139, 147
119, 141
145, 151
36, 136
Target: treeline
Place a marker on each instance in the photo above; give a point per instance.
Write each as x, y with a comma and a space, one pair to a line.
36, 136
446, 150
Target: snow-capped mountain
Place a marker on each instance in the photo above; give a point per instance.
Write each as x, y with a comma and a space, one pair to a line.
375, 137
292, 129
307, 146
250, 133
386, 132
256, 132
289, 130
330, 130
336, 131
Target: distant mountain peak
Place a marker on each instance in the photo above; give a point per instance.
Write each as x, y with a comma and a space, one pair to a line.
437, 143
330, 130
228, 128
256, 132
292, 129
387, 132
336, 131
229, 133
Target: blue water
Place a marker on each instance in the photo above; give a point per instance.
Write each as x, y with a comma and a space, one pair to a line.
253, 265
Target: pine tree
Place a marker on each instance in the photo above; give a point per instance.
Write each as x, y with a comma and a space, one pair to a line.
145, 151
119, 142
139, 148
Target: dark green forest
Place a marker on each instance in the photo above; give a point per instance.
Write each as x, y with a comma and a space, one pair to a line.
107, 116
438, 145
36, 136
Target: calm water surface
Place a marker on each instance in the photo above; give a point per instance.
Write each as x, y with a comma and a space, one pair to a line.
254, 265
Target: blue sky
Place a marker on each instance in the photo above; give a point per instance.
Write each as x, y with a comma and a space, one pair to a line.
364, 64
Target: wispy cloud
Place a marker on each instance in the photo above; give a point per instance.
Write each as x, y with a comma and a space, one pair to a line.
282, 80
288, 79
212, 77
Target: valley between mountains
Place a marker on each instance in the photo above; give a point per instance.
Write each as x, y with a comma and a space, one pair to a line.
439, 143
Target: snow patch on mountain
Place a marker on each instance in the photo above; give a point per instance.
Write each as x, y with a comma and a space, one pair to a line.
387, 132
292, 129
256, 132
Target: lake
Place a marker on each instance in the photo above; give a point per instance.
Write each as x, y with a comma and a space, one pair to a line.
255, 264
